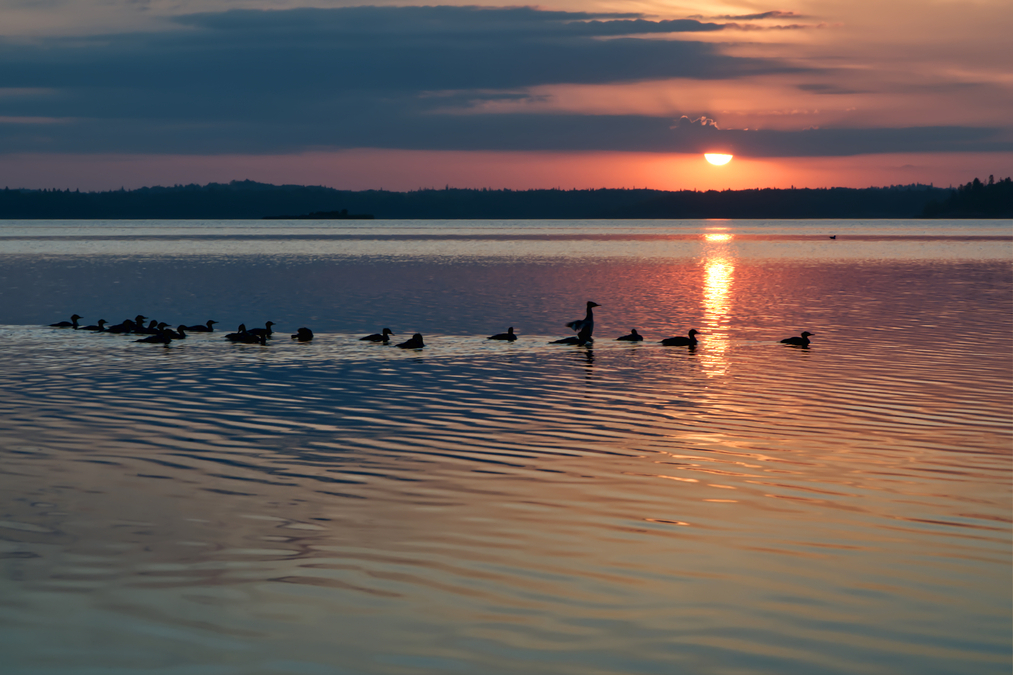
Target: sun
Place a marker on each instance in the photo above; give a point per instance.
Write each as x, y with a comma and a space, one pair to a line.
717, 160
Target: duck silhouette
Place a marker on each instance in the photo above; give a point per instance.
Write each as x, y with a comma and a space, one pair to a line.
100, 328
802, 341
580, 339
265, 331
634, 336
383, 337
509, 335
303, 335
680, 341
67, 324
203, 328
415, 342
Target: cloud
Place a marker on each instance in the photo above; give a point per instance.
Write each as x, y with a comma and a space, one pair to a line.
247, 81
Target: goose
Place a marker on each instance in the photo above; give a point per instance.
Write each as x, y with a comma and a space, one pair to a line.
802, 341
303, 335
100, 328
634, 336
203, 328
415, 342
680, 341
67, 324
509, 335
383, 337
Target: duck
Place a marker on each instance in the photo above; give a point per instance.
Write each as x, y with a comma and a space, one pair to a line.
161, 337
251, 338
802, 341
833, 236
178, 334
303, 335
203, 328
67, 324
127, 326
587, 321
239, 335
265, 331
383, 337
680, 341
151, 329
634, 336
99, 328
509, 335
415, 342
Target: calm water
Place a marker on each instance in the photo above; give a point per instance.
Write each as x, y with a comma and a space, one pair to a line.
475, 507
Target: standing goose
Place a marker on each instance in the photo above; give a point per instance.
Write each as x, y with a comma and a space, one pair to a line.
67, 324
580, 339
680, 341
100, 328
509, 335
634, 336
802, 341
383, 337
414, 343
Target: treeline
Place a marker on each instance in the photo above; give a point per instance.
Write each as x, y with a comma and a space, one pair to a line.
976, 200
251, 200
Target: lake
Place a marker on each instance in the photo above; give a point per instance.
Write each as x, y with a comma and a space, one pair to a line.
336, 506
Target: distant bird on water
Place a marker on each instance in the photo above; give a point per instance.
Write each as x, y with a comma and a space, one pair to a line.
509, 335
414, 343
802, 341
178, 334
161, 337
100, 328
833, 236
383, 337
680, 341
67, 324
303, 335
203, 328
634, 336
239, 335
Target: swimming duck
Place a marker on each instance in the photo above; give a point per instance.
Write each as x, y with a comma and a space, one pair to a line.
126, 327
680, 341
798, 341
151, 329
414, 343
634, 336
100, 328
161, 337
67, 324
587, 321
383, 337
265, 331
203, 328
509, 335
178, 334
239, 335
303, 335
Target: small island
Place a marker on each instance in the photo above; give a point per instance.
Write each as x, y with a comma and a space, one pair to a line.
343, 214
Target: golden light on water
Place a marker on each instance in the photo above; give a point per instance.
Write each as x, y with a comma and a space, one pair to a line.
717, 236
717, 301
716, 159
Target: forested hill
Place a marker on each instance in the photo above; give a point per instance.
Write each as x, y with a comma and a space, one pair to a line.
251, 200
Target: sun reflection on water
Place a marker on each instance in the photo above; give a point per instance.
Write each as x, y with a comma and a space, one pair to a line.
718, 271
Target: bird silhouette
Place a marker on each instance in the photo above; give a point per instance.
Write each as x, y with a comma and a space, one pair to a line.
680, 341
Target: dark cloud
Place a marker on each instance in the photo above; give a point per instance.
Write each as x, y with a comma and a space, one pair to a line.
386, 77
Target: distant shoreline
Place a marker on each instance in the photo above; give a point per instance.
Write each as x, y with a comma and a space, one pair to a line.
248, 200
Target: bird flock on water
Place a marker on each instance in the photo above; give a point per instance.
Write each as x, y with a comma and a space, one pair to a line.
161, 333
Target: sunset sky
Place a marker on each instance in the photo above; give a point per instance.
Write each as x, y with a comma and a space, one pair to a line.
99, 94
